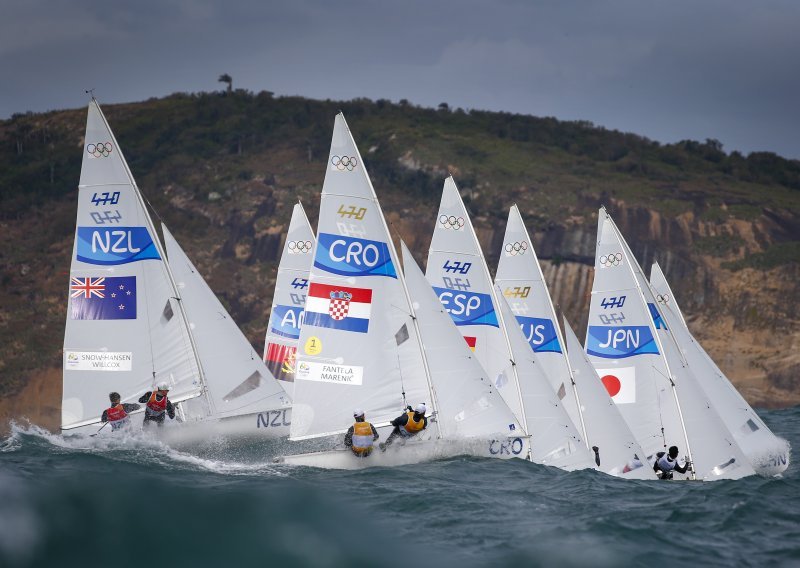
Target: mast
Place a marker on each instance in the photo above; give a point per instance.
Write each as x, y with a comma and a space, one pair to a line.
402, 279
161, 252
500, 319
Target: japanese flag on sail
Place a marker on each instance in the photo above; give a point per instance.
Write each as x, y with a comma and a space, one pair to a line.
338, 307
620, 383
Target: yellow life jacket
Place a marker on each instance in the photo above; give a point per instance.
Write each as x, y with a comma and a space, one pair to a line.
414, 427
362, 438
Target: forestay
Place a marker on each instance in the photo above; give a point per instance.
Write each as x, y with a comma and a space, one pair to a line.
238, 382
354, 349
617, 449
124, 332
458, 273
467, 403
768, 453
289, 299
521, 281
555, 440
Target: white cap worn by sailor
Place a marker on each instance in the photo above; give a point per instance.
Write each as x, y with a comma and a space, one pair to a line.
358, 412
421, 408
163, 387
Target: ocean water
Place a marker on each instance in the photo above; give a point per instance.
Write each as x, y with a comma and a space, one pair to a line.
138, 502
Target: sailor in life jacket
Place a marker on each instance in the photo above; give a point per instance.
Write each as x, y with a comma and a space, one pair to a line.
157, 405
408, 424
666, 463
360, 436
117, 413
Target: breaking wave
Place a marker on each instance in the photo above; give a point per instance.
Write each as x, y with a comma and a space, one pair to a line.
78, 501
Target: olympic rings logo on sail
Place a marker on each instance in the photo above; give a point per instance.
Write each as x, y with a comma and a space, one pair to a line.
100, 149
607, 261
451, 222
342, 163
663, 298
516, 248
300, 247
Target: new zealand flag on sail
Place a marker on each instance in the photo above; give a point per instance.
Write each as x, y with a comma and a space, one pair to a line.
104, 298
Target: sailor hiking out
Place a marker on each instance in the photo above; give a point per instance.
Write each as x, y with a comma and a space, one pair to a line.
408, 424
117, 413
361, 436
157, 406
667, 463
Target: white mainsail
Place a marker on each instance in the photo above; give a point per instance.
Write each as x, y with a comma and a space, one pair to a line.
768, 453
521, 281
654, 389
617, 449
458, 273
125, 332
238, 382
555, 440
467, 403
354, 349
289, 299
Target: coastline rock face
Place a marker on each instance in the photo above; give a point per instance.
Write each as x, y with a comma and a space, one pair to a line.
727, 253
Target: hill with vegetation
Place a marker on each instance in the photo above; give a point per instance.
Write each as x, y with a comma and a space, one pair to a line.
224, 169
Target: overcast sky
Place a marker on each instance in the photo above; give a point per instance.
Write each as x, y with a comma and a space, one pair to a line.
724, 69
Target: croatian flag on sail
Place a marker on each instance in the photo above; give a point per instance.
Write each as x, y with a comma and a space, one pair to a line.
103, 298
338, 307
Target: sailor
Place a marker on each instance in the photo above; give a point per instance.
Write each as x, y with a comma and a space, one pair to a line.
157, 405
117, 413
360, 436
666, 463
408, 424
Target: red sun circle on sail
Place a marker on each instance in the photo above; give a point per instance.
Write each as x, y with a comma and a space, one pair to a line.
612, 384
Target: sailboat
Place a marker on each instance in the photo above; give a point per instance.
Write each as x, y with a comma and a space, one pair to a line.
360, 343
633, 351
519, 278
289, 299
125, 330
458, 273
244, 398
768, 453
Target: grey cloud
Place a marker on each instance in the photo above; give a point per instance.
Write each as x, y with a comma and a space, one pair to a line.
721, 69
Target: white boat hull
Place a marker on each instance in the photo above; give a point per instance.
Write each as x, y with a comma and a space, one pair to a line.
268, 424
411, 452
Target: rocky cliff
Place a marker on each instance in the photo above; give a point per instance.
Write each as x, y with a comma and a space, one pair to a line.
223, 172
